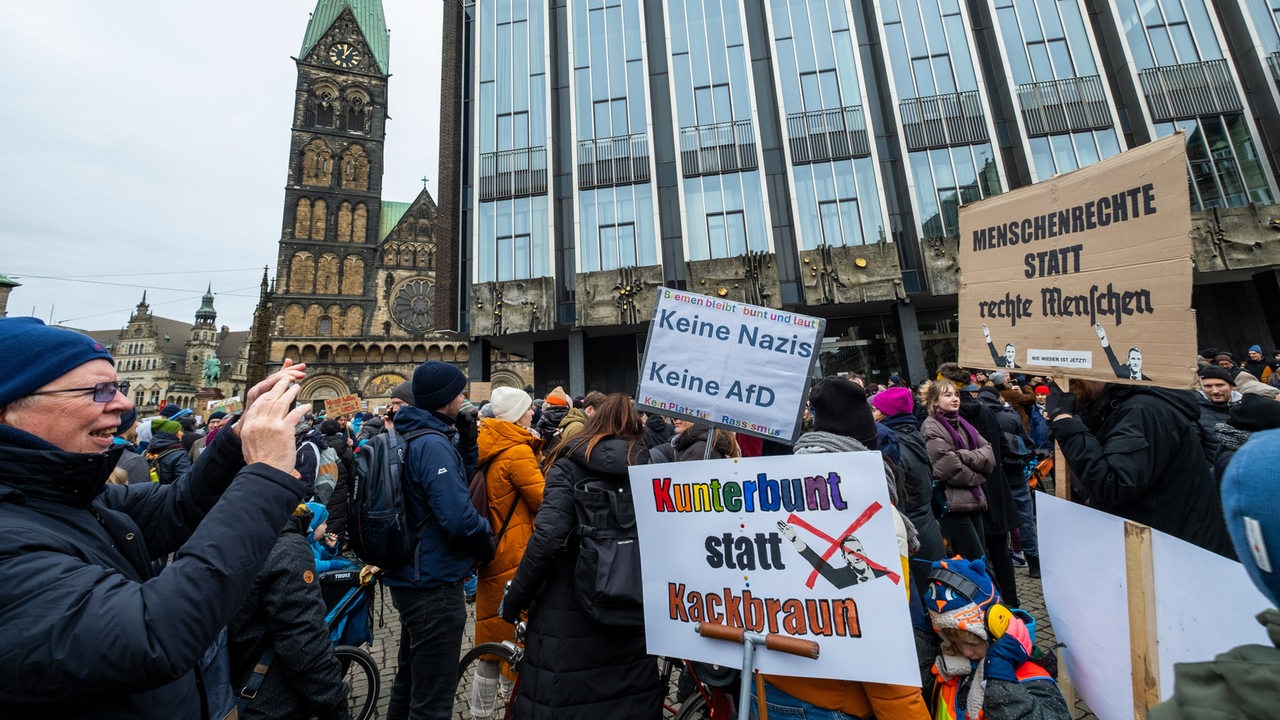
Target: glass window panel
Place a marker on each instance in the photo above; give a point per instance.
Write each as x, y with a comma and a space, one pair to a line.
961, 61
837, 15
899, 62
1017, 49
804, 44
829, 216
1201, 164
781, 19
1162, 46
635, 88
1224, 160
1247, 154
1031, 31
1141, 49
1173, 11
846, 185
792, 97
740, 77
1077, 38
942, 77
926, 195
1043, 157
1183, 44
1041, 66
1108, 143
587, 212
538, 108
1086, 147
603, 124
679, 28
581, 35
847, 69
823, 50
1049, 20
732, 24
934, 30
608, 247
685, 96
810, 92
872, 223
1151, 15
635, 48
1061, 59
1064, 153
923, 71
830, 89
913, 29
889, 10
535, 60
627, 245
949, 7
988, 175
617, 51
723, 104
851, 222
585, 115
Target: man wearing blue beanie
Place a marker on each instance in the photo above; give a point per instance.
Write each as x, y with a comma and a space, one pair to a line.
451, 539
1243, 682
89, 630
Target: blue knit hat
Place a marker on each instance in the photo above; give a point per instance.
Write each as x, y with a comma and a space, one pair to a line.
959, 593
436, 384
319, 514
1252, 509
33, 354
1255, 348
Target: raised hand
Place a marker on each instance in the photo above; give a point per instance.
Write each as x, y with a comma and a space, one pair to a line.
266, 428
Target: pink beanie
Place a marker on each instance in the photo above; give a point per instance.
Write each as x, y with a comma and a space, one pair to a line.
893, 401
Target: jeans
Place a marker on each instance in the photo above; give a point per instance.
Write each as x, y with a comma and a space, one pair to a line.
431, 626
1022, 498
782, 706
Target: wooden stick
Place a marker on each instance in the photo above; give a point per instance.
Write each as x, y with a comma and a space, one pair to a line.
1065, 686
1144, 654
1061, 475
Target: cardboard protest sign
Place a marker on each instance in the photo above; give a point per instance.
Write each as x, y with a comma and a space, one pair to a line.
1086, 274
345, 405
799, 545
480, 391
721, 362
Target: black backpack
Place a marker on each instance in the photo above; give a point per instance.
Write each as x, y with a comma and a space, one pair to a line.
606, 574
379, 529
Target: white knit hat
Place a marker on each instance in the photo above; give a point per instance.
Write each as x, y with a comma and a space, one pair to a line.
509, 403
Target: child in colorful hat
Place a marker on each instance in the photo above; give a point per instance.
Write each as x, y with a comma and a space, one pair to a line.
983, 669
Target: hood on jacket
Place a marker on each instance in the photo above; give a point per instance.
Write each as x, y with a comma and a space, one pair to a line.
410, 418
319, 514
698, 433
611, 456
816, 441
1181, 401
497, 436
34, 468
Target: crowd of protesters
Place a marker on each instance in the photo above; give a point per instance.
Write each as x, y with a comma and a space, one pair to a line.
153, 565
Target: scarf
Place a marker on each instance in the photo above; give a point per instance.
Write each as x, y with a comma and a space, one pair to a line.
951, 421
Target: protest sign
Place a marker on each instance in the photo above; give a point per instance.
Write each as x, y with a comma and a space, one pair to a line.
480, 391
721, 362
226, 405
345, 405
1086, 275
799, 545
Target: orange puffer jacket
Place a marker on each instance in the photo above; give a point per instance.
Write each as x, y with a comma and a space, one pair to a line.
513, 477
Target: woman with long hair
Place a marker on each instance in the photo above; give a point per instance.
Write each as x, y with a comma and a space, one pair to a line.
575, 667
961, 459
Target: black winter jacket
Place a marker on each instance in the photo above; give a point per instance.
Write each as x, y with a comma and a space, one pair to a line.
1136, 452
171, 459
574, 667
913, 458
692, 444
337, 505
88, 631
285, 612
1001, 515
1212, 413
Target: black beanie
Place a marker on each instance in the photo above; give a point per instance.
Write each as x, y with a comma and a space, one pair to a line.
840, 407
436, 384
330, 427
1216, 372
1254, 413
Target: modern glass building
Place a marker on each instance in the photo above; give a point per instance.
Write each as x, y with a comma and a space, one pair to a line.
813, 154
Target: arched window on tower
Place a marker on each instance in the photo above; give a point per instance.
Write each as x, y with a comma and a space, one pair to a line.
317, 164
360, 223
325, 327
325, 102
319, 220
344, 222
357, 115
355, 169
302, 220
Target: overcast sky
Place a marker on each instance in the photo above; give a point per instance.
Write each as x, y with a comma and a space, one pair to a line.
143, 145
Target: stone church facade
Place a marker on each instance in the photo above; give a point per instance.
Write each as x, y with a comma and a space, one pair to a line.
355, 289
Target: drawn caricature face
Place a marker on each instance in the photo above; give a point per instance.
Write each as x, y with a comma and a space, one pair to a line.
1135, 362
853, 554
1009, 355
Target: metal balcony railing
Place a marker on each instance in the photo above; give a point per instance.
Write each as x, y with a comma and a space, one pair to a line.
513, 173
721, 147
1274, 61
618, 160
943, 120
1189, 90
834, 134
1067, 105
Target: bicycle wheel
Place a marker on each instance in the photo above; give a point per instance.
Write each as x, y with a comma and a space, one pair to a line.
696, 707
363, 680
480, 698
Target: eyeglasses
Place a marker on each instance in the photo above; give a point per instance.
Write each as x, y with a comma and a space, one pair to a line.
103, 392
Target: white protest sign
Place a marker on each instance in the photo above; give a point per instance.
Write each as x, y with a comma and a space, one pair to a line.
1205, 603
799, 545
725, 363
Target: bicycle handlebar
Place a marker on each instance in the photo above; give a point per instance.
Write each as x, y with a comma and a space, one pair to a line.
780, 643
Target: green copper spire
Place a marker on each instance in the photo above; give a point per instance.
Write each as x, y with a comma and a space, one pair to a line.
206, 315
369, 17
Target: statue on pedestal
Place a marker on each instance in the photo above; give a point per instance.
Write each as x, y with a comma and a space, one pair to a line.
212, 371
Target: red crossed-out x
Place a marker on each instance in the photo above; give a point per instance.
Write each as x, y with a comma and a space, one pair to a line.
866, 515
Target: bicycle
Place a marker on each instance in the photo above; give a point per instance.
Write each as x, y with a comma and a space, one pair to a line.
748, 639
493, 702
348, 620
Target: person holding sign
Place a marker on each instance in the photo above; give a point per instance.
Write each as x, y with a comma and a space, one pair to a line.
843, 422
1137, 451
576, 666
961, 460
